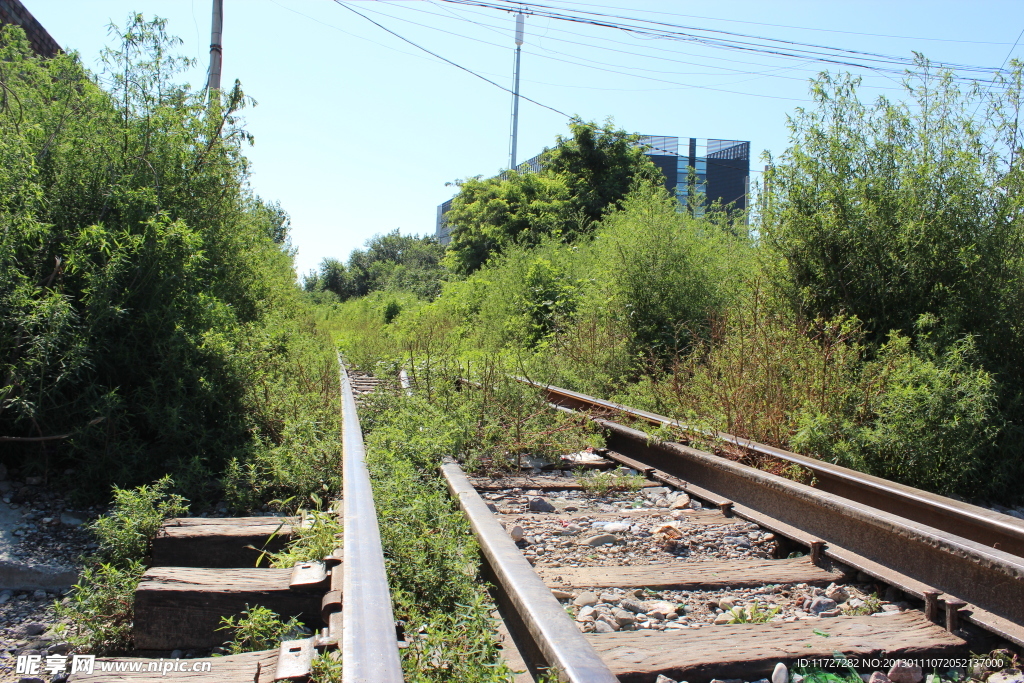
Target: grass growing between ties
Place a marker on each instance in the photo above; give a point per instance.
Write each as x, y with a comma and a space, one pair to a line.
100, 605
260, 628
431, 555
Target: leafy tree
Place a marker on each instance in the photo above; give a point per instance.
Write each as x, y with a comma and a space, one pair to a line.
139, 276
599, 165
391, 261
584, 176
490, 215
893, 210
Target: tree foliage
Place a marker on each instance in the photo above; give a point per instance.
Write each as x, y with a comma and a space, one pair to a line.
392, 261
582, 177
144, 290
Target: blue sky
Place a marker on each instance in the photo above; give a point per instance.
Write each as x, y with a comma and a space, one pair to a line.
357, 132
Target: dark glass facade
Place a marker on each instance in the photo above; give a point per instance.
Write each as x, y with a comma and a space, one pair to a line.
721, 172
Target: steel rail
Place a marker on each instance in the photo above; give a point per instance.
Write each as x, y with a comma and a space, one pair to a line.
986, 527
554, 636
984, 585
369, 643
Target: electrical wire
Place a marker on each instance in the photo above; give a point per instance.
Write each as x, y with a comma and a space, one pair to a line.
798, 28
445, 59
718, 38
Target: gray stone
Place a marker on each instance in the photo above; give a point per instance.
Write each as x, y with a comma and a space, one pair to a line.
587, 613
30, 679
821, 604
28, 630
905, 671
838, 593
655, 492
608, 597
878, 677
681, 502
660, 609
664, 679
610, 620
632, 605
600, 539
177, 654
1006, 676
541, 505
39, 595
603, 627
517, 533
623, 617
780, 674
560, 594
585, 598
60, 648
68, 519
616, 528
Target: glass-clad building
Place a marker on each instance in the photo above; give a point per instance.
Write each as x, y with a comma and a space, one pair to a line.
720, 171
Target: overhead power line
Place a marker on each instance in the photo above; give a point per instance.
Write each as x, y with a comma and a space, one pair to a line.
445, 59
729, 40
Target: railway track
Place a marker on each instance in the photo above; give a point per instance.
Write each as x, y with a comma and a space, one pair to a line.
653, 580
205, 568
700, 569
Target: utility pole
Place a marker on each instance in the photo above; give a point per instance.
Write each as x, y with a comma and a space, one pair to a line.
216, 51
515, 89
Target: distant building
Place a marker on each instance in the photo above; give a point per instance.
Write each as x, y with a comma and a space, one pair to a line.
13, 12
721, 171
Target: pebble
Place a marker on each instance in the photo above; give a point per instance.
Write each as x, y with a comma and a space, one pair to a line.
541, 505
780, 674
29, 629
39, 595
681, 502
600, 539
664, 679
1006, 676
905, 672
603, 627
560, 594
822, 604
586, 598
837, 593
68, 519
517, 533
878, 677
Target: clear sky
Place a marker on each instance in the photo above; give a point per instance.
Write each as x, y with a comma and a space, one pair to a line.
357, 132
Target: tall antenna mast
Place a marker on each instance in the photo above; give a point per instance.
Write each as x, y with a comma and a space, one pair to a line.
515, 89
216, 51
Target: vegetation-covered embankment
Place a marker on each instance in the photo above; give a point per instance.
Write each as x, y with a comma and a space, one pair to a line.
865, 313
149, 320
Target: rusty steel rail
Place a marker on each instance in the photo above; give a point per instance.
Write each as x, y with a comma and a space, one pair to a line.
986, 527
554, 638
369, 642
971, 580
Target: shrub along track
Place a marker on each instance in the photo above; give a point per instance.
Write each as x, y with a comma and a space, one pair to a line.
922, 574
625, 588
205, 569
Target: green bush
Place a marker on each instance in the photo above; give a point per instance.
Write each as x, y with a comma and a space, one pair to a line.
100, 607
126, 534
925, 417
259, 628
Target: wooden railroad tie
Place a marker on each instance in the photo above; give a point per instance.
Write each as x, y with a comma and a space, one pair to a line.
181, 607
219, 542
